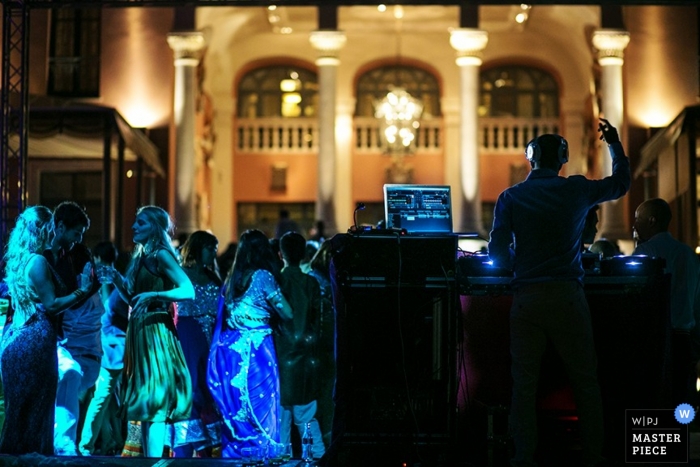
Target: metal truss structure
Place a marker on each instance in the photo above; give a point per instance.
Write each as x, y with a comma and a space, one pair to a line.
15, 99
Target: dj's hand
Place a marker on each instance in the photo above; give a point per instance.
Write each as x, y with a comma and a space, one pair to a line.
608, 133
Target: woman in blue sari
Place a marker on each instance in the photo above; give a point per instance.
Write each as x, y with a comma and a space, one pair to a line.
242, 375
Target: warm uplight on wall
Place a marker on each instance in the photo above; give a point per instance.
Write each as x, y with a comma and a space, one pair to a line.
140, 116
129, 173
655, 110
656, 117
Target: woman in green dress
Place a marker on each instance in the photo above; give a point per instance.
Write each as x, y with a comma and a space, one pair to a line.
157, 386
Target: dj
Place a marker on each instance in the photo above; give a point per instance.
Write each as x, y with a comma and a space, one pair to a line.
536, 232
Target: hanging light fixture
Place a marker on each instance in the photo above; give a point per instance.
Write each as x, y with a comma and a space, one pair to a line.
399, 111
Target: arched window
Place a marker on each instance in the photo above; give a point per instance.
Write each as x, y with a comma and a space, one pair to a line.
374, 85
518, 91
278, 91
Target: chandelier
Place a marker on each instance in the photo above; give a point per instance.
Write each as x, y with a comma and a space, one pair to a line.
399, 112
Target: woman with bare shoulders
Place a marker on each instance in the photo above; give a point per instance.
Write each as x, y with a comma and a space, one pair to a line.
156, 388
29, 360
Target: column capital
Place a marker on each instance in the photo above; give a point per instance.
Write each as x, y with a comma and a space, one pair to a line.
187, 46
328, 43
611, 44
469, 43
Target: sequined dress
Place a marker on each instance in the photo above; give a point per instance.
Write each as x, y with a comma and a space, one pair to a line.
242, 375
157, 385
29, 365
195, 326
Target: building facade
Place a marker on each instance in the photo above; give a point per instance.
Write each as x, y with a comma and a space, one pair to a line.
259, 108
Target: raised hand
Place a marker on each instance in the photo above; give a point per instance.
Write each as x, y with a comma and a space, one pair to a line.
85, 278
608, 133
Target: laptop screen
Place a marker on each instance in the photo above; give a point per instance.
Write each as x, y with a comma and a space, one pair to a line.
418, 208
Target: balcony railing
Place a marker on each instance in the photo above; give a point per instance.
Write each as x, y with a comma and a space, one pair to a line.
277, 135
300, 135
509, 135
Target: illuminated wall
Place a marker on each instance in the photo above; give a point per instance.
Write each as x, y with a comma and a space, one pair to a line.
661, 63
137, 64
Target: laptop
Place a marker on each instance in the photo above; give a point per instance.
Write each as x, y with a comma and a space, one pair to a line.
418, 209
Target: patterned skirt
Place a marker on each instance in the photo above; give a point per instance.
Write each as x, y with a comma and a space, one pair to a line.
157, 385
244, 380
30, 378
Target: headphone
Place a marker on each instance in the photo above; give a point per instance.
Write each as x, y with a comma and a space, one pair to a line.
533, 152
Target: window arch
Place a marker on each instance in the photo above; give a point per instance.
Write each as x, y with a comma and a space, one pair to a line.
278, 91
518, 91
374, 85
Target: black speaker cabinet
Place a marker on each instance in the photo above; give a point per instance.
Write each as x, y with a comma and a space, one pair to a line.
396, 377
397, 260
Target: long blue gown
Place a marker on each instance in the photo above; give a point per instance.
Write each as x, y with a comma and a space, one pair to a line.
242, 375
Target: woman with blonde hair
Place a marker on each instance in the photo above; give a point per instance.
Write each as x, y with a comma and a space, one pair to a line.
156, 387
29, 360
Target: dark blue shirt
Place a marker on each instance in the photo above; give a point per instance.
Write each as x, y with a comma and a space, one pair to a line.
538, 223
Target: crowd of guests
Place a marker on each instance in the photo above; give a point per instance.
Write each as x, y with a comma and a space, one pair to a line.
184, 354
169, 355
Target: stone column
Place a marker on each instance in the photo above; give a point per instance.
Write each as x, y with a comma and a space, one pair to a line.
328, 43
469, 43
611, 44
187, 47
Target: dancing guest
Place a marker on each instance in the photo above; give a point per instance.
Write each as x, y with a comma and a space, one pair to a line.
320, 270
29, 361
297, 347
101, 419
195, 325
243, 376
80, 347
156, 385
